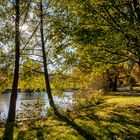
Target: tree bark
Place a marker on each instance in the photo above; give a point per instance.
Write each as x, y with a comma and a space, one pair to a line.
114, 88
112, 81
9, 128
47, 81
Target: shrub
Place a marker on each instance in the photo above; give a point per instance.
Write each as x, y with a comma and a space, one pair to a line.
87, 98
50, 112
30, 111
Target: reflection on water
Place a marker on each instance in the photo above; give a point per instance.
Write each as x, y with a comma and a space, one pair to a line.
33, 98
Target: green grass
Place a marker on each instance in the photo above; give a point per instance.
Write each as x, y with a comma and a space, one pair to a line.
115, 119
124, 100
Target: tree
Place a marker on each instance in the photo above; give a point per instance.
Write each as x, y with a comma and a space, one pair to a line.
48, 88
18, 5
103, 32
8, 134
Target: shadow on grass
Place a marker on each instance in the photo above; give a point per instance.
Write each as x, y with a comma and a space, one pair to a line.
40, 135
91, 124
121, 123
21, 135
80, 130
126, 115
63, 120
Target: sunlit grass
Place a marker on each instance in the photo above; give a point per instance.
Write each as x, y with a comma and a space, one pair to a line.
124, 100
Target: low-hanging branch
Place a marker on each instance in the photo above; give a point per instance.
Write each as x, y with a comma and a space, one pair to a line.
35, 70
32, 49
31, 55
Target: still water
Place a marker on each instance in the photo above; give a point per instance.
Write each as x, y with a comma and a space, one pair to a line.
24, 98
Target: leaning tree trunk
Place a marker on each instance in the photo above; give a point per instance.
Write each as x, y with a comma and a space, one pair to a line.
47, 81
9, 128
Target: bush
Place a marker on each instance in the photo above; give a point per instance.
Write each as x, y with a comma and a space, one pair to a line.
31, 111
87, 98
50, 112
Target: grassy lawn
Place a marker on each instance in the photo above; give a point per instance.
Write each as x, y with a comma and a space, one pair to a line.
118, 118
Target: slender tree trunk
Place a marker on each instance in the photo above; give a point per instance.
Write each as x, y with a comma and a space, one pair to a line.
112, 82
47, 81
9, 128
115, 83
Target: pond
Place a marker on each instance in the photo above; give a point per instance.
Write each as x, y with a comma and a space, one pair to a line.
32, 98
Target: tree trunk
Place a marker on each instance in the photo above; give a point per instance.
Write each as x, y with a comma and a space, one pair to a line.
112, 82
114, 88
47, 81
9, 128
